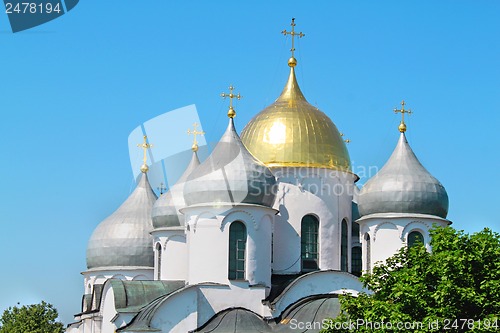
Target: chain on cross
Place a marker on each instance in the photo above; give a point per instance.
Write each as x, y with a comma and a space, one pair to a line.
402, 125
194, 133
231, 113
293, 34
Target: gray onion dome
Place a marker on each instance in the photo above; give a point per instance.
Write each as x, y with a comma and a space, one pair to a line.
403, 185
123, 238
230, 175
166, 209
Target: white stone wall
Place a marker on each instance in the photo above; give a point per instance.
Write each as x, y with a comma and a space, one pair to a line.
326, 194
389, 233
208, 243
174, 258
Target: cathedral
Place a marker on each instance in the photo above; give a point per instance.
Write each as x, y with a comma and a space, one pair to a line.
261, 236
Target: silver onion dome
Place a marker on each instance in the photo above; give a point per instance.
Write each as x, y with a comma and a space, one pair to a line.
403, 185
123, 239
166, 209
230, 175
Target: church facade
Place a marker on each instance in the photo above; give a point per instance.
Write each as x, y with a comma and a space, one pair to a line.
262, 235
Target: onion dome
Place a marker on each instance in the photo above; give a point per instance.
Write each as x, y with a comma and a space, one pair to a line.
123, 239
293, 133
230, 175
403, 185
166, 209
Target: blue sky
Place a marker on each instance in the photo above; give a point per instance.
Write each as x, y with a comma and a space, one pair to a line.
73, 89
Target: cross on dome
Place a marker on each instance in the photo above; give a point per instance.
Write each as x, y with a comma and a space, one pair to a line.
194, 133
231, 113
145, 146
402, 125
292, 61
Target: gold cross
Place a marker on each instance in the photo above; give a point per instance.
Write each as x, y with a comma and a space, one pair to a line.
402, 125
194, 133
293, 34
145, 146
231, 113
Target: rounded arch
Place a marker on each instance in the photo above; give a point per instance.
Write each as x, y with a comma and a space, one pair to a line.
415, 225
203, 215
377, 228
119, 277
239, 215
415, 237
158, 254
368, 251
309, 242
237, 250
173, 238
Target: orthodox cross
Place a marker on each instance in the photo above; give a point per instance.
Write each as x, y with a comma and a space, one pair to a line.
231, 113
402, 126
293, 34
145, 146
161, 188
194, 133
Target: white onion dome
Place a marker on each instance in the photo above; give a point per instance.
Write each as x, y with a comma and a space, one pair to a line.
230, 175
403, 185
166, 209
123, 239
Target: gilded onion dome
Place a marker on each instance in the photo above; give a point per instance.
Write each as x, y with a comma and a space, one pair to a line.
293, 133
123, 239
403, 185
230, 175
166, 209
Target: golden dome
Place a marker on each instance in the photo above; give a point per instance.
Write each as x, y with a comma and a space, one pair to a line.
293, 133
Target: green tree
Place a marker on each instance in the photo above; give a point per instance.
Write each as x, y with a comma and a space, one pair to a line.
454, 288
36, 318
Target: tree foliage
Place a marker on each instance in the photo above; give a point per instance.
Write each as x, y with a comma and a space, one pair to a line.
36, 318
454, 288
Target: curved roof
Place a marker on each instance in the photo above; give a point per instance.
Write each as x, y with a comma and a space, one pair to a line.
165, 211
132, 296
403, 185
235, 320
312, 310
123, 239
230, 175
293, 133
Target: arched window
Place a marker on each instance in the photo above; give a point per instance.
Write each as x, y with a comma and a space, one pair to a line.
309, 243
343, 247
415, 238
158, 261
356, 265
237, 249
368, 252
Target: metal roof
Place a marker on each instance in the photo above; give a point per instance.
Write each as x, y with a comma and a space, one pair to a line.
166, 209
123, 238
403, 185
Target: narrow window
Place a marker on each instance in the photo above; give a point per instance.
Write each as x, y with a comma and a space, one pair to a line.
368, 252
158, 263
309, 243
237, 248
343, 247
415, 238
356, 261
355, 232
